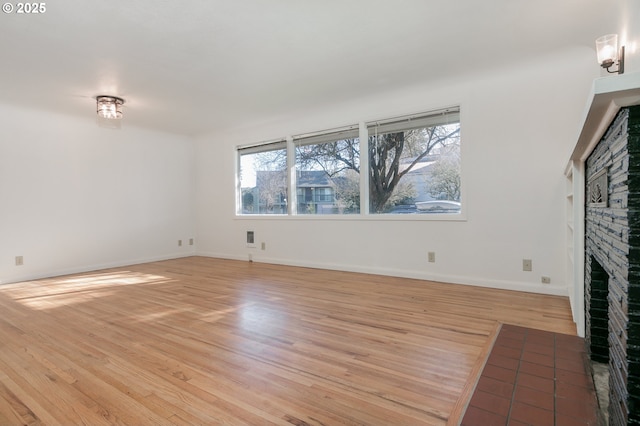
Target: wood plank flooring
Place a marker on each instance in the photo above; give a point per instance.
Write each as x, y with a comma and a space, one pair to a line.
210, 341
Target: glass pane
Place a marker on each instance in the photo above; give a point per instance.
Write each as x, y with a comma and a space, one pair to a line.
328, 177
415, 171
263, 182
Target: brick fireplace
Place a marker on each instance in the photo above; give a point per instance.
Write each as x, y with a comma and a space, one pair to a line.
612, 262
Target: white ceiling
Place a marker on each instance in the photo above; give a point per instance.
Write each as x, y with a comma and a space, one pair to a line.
190, 67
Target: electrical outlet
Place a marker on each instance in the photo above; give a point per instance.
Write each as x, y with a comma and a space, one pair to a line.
431, 256
527, 265
179, 243
19, 261
190, 241
545, 280
263, 246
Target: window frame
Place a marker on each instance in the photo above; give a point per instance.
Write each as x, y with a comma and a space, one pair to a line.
363, 133
316, 138
273, 145
407, 123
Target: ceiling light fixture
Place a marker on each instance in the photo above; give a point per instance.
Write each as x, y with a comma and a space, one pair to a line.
109, 107
608, 54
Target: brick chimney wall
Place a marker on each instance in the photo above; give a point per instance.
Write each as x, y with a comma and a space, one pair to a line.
612, 273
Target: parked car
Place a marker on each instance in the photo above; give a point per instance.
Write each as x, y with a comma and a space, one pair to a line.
438, 206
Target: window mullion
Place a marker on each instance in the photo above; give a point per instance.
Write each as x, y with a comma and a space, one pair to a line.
238, 184
292, 208
364, 169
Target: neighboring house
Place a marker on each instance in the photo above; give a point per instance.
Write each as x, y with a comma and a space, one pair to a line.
420, 178
315, 193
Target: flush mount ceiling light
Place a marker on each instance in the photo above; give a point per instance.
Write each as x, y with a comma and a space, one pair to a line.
608, 54
109, 107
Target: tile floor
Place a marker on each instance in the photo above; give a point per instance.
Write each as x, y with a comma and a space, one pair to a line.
534, 377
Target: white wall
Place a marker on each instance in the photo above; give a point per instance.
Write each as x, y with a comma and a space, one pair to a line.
78, 197
518, 128
75, 196
629, 32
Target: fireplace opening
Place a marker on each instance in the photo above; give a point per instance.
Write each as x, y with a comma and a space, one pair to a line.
599, 313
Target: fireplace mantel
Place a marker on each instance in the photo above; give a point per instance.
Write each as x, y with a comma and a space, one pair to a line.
608, 95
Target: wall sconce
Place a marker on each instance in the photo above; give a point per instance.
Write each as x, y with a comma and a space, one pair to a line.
109, 107
607, 50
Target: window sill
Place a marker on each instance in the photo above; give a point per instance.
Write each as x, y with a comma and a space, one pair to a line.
434, 217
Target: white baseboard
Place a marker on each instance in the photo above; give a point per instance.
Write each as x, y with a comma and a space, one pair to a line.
36, 275
421, 275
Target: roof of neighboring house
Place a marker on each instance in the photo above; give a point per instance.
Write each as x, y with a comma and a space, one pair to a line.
304, 178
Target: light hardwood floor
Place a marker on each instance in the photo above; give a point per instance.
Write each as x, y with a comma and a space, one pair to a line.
209, 341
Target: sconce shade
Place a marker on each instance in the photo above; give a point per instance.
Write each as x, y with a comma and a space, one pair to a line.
109, 107
607, 50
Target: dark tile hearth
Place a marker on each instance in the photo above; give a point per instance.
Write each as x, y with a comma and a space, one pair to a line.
534, 377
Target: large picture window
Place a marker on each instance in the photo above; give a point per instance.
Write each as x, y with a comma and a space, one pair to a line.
412, 166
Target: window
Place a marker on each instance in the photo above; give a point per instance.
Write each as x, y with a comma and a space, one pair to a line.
327, 175
414, 164
263, 179
411, 166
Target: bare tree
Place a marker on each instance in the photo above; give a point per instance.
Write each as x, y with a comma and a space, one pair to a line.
272, 190
347, 189
445, 178
386, 152
332, 157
